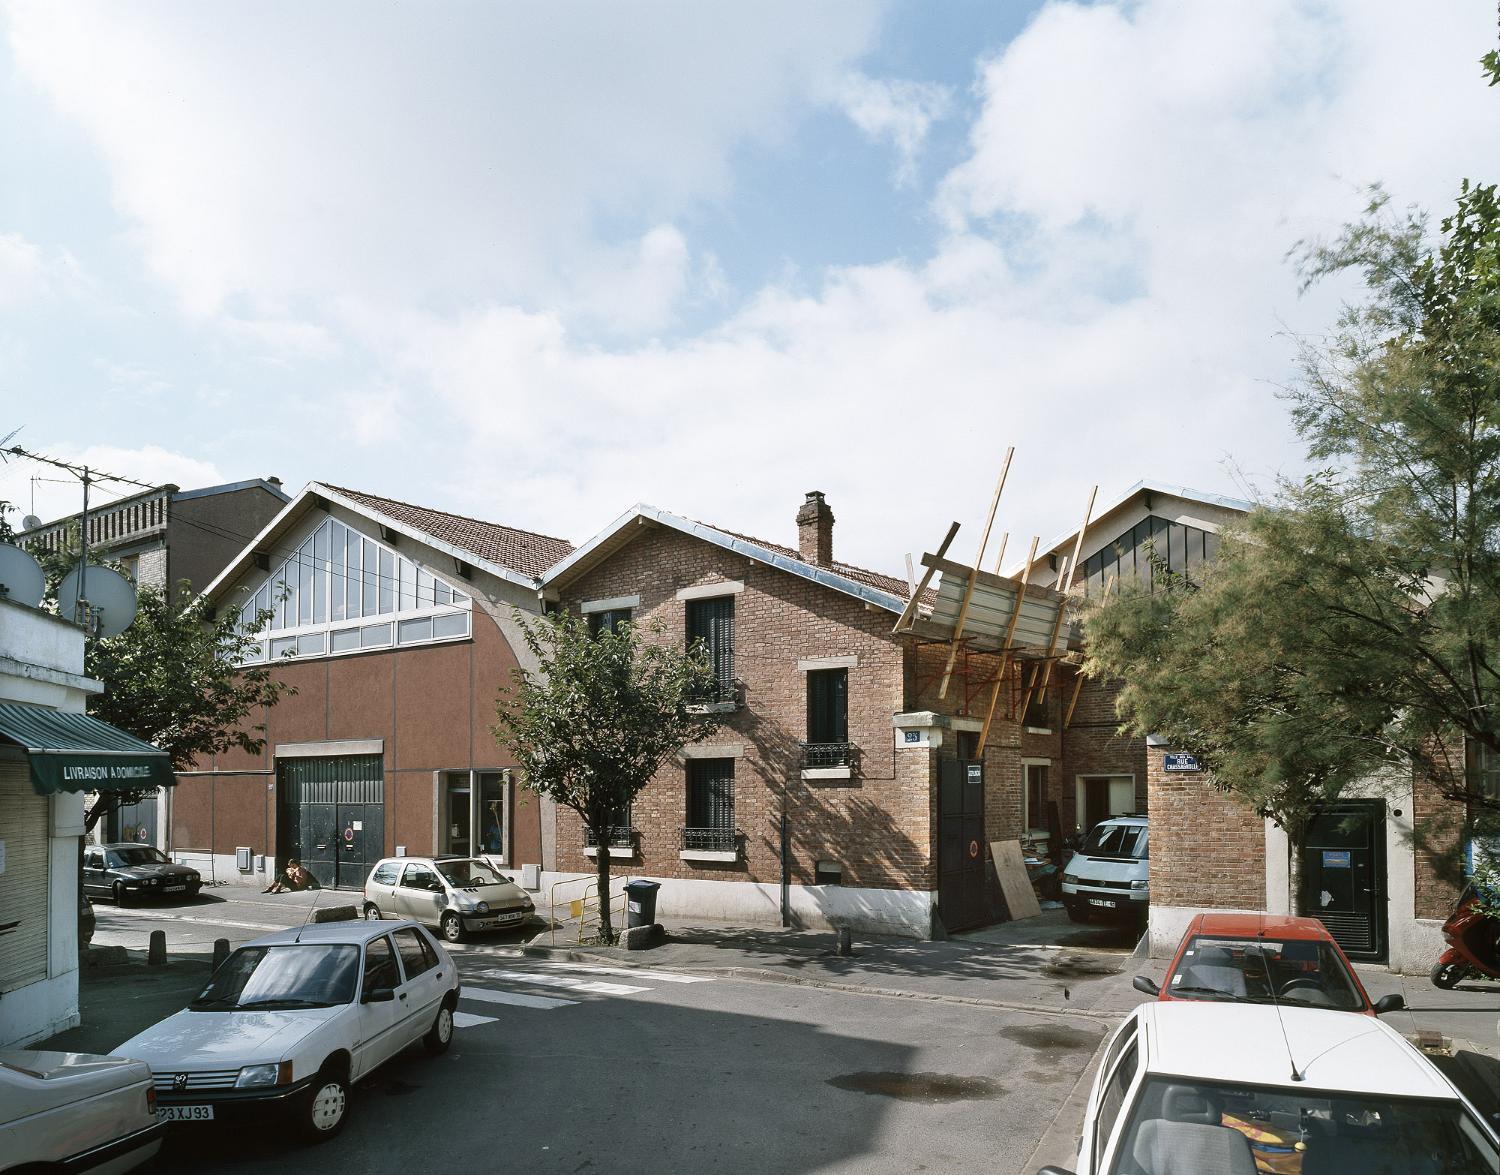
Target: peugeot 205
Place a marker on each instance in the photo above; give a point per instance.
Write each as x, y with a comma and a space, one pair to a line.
294, 1019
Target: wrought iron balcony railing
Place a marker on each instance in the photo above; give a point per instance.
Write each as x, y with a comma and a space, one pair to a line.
827, 754
710, 840
720, 693
619, 838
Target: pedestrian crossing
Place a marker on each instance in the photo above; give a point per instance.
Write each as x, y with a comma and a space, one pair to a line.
498, 986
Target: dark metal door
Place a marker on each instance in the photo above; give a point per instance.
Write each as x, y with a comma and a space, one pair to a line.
135, 823
1343, 876
962, 870
331, 816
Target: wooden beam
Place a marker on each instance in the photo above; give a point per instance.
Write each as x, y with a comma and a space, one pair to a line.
1073, 701
963, 608
1000, 554
930, 562
1034, 591
989, 717
911, 577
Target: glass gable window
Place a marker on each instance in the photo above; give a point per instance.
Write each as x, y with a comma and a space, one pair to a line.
340, 592
1183, 549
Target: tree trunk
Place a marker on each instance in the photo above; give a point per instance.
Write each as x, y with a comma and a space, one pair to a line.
102, 807
1294, 870
606, 928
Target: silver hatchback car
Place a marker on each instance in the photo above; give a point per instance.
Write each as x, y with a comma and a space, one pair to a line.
457, 895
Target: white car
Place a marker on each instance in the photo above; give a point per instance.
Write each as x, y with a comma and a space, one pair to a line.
1191, 1088
292, 1020
75, 1112
455, 895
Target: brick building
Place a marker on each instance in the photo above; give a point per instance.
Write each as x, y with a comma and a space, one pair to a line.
396, 625
1380, 869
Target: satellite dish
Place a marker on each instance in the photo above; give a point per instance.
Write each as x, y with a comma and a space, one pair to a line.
30, 522
111, 598
21, 577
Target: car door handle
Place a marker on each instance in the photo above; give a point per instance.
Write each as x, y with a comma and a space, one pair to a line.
402, 995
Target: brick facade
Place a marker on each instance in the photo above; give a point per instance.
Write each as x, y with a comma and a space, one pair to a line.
876, 825
1207, 848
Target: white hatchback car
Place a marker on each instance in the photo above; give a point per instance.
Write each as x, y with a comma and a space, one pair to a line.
75, 1112
1234, 1089
455, 895
295, 1018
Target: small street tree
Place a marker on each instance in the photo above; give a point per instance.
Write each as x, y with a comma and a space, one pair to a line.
598, 717
174, 678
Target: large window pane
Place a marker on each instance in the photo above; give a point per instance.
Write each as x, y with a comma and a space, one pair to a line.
336, 575
353, 586
387, 582
450, 624
407, 572
320, 575
419, 629
375, 635
493, 825
305, 579
369, 599
345, 639
424, 589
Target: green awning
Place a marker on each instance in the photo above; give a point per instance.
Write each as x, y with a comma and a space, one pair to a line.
73, 752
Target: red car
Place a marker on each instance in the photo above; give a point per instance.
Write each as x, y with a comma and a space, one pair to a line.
1262, 959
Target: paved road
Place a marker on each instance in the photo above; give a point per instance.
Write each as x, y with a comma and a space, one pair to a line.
579, 1067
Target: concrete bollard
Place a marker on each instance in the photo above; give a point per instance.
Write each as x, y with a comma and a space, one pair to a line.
846, 942
156, 953
221, 951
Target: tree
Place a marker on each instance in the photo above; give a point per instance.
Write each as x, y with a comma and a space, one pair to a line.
175, 678
1352, 625
598, 717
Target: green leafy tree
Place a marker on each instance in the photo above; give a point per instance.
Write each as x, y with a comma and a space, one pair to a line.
175, 678
598, 717
1351, 628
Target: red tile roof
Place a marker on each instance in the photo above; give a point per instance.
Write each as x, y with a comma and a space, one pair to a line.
519, 550
874, 579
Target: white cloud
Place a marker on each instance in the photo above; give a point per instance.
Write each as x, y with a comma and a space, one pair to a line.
895, 111
264, 154
28, 274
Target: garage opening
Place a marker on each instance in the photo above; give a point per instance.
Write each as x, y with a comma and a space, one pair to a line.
331, 816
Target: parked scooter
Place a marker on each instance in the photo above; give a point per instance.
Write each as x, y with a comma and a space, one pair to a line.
1473, 944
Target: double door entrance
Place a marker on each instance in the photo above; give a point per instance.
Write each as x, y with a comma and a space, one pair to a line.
331, 816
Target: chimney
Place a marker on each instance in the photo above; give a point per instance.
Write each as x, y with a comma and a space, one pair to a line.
815, 530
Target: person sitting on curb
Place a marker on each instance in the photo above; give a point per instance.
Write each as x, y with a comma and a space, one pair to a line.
294, 877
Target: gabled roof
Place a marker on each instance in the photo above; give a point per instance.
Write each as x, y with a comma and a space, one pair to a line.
518, 556
1140, 488
882, 591
520, 550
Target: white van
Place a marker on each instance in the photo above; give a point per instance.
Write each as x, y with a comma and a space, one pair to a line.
1108, 876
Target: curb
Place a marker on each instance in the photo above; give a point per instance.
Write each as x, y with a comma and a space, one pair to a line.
762, 975
1074, 1103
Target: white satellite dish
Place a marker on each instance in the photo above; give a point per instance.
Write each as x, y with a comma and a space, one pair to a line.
111, 598
30, 522
21, 576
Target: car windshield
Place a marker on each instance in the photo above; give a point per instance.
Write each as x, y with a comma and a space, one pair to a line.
1218, 1127
137, 855
1254, 970
1125, 841
468, 874
297, 975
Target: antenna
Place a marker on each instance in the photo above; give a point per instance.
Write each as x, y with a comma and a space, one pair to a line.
311, 910
21, 576
1260, 950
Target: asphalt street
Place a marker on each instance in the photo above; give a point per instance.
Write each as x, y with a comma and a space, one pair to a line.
579, 1067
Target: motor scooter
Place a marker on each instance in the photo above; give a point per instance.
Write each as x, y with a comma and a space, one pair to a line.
1473, 944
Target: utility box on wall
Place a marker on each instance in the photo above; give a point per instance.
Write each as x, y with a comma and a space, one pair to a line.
244, 859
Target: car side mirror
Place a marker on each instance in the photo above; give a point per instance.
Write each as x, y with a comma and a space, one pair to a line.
435, 886
1389, 1003
379, 995
1141, 983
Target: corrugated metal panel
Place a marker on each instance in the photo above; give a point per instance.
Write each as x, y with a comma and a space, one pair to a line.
342, 779
51, 730
989, 612
24, 885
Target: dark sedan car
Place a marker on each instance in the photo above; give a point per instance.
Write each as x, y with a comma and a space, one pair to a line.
128, 872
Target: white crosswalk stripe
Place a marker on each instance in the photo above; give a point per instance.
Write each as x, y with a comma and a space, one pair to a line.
519, 998
469, 1020
632, 972
545, 979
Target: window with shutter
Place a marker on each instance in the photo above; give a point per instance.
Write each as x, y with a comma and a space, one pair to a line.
712, 622
828, 706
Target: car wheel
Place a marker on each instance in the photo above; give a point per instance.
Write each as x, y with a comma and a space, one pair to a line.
323, 1107
1447, 975
453, 927
119, 892
1077, 912
440, 1035
372, 912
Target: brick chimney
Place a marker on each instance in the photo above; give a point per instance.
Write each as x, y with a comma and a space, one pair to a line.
815, 530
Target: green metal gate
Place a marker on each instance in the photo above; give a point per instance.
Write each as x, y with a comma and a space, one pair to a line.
331, 816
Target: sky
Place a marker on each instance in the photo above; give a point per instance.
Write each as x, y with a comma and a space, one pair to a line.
538, 262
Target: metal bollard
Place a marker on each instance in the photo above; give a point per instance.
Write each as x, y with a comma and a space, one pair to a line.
221, 951
846, 942
156, 953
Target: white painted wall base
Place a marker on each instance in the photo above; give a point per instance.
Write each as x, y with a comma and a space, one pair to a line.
902, 912
34, 1012
221, 867
1167, 924
1416, 944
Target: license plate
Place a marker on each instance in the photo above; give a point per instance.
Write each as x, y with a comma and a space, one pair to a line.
1105, 902
173, 888
185, 1113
